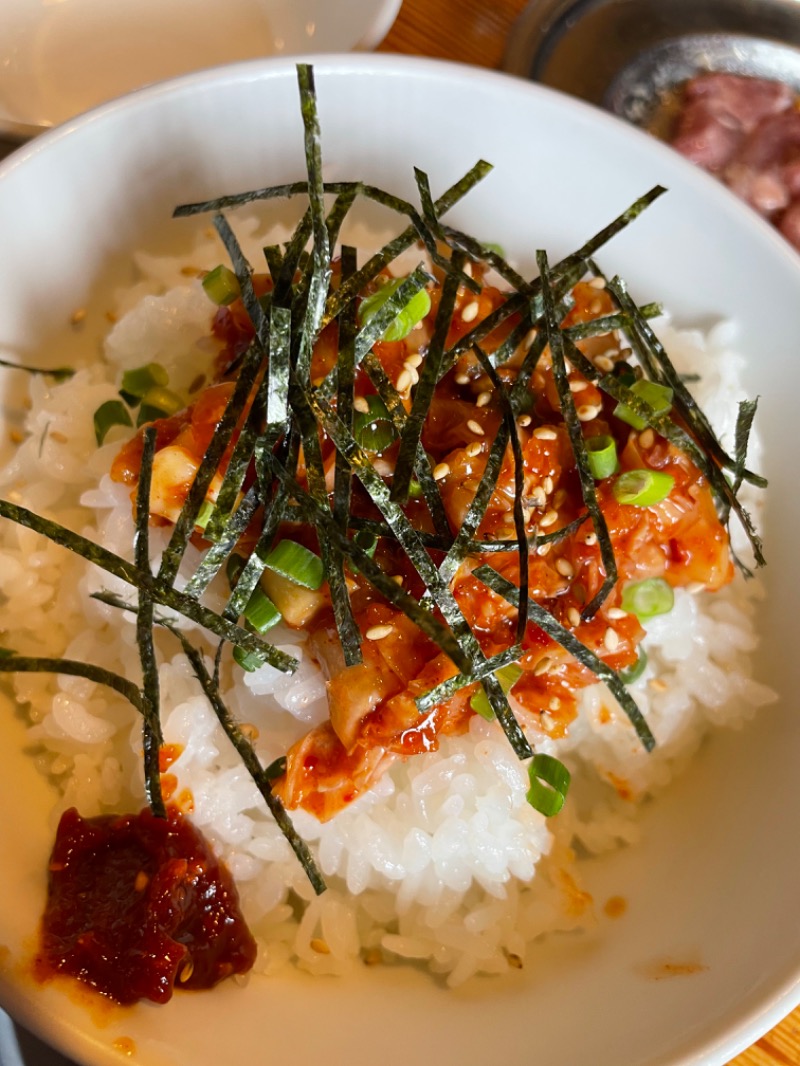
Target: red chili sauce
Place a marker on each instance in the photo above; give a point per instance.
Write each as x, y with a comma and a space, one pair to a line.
137, 904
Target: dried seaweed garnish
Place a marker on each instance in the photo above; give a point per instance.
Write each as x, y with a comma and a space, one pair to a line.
675, 434
163, 593
411, 434
11, 663
59, 373
428, 700
210, 685
548, 624
555, 340
509, 414
684, 402
360, 560
250, 760
349, 635
152, 737
185, 524
214, 559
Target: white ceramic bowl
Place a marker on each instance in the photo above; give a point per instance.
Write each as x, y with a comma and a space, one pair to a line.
717, 877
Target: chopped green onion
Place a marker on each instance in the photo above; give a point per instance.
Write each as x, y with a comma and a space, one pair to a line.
158, 403
413, 312
260, 612
109, 414
508, 676
494, 249
141, 379
373, 429
658, 397
367, 541
549, 784
635, 670
642, 488
221, 285
648, 598
204, 514
601, 452
295, 562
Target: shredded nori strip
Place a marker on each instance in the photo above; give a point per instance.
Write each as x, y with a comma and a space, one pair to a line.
548, 624
251, 762
59, 373
556, 342
162, 592
411, 433
152, 737
11, 663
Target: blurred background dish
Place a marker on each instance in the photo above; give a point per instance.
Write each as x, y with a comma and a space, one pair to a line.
583, 46
61, 57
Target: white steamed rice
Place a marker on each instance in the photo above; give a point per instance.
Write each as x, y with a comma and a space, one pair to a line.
444, 861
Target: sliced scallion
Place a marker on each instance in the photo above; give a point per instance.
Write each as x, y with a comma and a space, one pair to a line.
109, 414
138, 381
643, 488
601, 452
508, 677
408, 317
633, 672
373, 429
549, 783
657, 397
648, 598
295, 562
221, 285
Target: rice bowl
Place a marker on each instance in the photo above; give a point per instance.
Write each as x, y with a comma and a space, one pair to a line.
723, 305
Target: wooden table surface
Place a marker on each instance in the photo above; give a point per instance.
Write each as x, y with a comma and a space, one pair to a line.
475, 31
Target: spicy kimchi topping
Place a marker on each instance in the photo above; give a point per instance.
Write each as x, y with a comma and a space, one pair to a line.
374, 717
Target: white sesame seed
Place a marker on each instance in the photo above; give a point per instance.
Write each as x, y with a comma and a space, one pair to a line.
554, 704
578, 385
542, 666
616, 613
470, 312
475, 427
695, 587
602, 362
361, 405
611, 639
413, 361
548, 519
441, 470
524, 421
545, 433
598, 283
378, 632
647, 438
538, 497
483, 399
587, 411
565, 568
548, 484
590, 539
559, 498
397, 578
473, 449
595, 307
658, 685
404, 381
574, 616
468, 269
462, 379
544, 549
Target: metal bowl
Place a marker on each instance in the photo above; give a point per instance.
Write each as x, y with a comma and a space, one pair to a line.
625, 55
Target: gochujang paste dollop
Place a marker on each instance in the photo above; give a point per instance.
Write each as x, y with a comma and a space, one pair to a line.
137, 904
